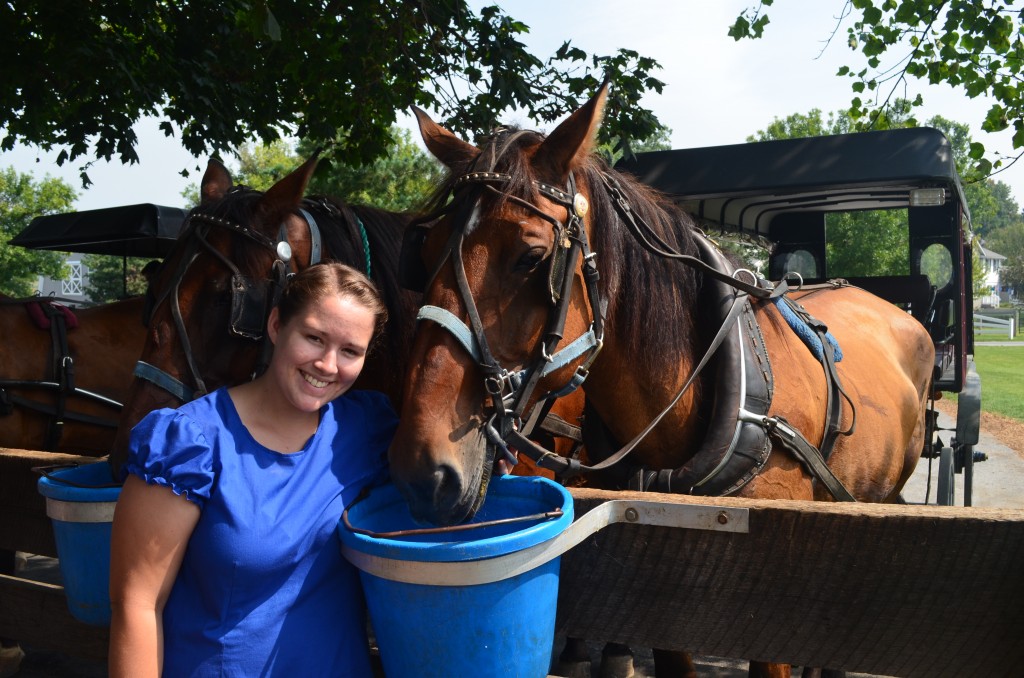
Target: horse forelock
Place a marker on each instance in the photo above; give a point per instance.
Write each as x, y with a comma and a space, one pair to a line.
507, 151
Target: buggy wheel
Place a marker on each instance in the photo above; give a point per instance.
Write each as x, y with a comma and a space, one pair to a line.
944, 495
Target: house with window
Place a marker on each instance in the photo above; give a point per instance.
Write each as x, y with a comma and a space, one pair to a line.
71, 288
991, 262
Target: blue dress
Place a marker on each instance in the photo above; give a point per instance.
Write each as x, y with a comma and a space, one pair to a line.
263, 589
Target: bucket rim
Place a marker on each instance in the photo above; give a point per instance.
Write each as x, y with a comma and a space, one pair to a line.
521, 488
78, 482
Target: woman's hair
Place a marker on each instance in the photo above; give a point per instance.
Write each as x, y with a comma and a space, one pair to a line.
318, 282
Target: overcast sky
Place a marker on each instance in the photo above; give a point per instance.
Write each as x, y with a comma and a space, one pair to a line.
717, 91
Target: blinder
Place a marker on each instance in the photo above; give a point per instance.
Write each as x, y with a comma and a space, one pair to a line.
248, 307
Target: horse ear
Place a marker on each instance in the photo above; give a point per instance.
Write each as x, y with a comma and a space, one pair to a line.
445, 146
575, 138
287, 194
216, 182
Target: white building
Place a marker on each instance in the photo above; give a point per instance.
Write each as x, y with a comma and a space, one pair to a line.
991, 262
72, 287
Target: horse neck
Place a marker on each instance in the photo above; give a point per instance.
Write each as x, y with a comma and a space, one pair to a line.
629, 392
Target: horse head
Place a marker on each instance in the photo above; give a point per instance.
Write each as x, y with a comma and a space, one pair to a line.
209, 302
512, 307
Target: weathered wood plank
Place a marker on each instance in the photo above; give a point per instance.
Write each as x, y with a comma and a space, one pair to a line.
892, 590
23, 522
37, 615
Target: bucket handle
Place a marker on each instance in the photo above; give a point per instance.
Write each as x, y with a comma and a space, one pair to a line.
546, 515
49, 471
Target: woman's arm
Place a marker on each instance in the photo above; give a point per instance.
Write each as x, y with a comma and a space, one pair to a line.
152, 526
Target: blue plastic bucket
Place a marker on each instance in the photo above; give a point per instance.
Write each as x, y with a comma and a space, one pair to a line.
475, 603
82, 511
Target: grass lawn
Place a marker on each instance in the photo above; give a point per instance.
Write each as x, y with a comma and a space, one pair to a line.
1002, 379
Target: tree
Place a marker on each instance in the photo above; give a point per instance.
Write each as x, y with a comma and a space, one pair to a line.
22, 199
1009, 241
78, 75
112, 278
400, 181
975, 46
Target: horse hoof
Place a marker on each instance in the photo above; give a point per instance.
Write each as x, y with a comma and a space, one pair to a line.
616, 661
10, 660
572, 669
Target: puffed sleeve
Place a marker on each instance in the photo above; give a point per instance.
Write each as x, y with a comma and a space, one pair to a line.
170, 449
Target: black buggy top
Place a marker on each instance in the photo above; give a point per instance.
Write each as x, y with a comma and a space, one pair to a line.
143, 230
784, 190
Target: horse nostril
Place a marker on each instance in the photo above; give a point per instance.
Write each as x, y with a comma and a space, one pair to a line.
434, 496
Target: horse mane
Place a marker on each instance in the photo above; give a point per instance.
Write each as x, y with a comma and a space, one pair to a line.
651, 298
384, 234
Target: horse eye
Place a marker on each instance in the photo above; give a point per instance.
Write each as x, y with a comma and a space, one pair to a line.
530, 260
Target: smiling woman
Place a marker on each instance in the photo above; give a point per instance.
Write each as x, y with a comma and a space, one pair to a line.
224, 528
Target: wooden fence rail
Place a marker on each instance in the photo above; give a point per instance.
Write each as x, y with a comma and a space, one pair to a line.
889, 590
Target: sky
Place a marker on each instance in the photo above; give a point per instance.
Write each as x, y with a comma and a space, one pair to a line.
717, 91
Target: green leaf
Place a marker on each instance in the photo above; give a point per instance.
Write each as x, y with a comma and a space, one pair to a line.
740, 29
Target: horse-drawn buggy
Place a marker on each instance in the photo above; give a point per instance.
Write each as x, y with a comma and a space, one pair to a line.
545, 297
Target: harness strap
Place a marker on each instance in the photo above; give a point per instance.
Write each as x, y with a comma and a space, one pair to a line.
785, 435
568, 467
828, 354
315, 241
66, 415
63, 370
158, 377
464, 336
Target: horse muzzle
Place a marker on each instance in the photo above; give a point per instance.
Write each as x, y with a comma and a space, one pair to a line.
443, 484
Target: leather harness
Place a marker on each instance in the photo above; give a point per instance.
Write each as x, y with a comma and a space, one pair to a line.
61, 381
741, 434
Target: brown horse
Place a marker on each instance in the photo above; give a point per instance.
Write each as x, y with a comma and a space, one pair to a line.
542, 244
62, 392
211, 298
231, 239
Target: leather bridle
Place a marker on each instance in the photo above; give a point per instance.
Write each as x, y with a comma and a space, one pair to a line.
510, 392
245, 322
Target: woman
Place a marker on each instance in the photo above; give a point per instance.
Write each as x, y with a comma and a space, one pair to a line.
224, 559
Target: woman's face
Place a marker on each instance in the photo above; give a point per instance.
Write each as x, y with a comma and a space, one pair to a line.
319, 353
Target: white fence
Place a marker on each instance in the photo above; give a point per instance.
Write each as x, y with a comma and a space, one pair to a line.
984, 324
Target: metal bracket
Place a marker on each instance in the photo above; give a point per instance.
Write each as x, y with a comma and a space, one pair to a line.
469, 573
